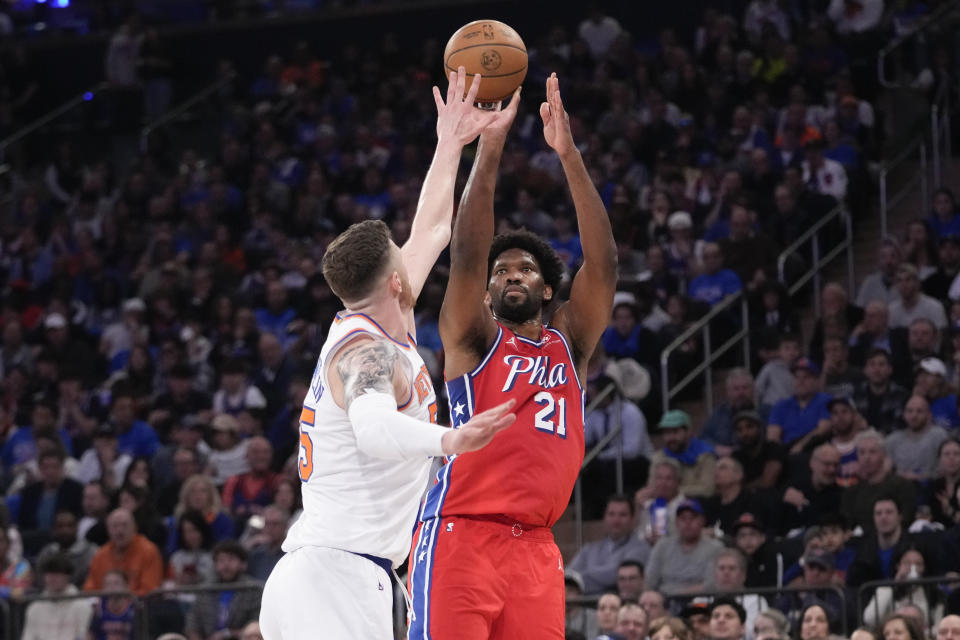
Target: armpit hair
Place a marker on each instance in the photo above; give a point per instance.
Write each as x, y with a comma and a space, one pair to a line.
367, 368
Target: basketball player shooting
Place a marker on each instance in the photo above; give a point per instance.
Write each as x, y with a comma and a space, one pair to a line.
366, 432
485, 564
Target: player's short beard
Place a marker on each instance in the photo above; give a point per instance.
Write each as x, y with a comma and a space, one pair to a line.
517, 313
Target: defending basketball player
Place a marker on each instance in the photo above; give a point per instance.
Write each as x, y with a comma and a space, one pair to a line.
484, 564
366, 432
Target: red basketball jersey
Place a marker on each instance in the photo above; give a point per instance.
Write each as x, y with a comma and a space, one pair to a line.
528, 471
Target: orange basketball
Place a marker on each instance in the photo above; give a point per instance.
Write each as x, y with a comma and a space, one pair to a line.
492, 49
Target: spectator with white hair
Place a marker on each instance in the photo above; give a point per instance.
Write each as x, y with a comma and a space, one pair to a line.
875, 478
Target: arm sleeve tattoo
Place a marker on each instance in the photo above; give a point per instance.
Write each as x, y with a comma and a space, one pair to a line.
367, 368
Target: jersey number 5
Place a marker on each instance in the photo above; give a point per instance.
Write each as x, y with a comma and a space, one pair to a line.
305, 463
552, 418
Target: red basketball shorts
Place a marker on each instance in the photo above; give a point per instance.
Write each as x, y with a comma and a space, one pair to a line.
474, 578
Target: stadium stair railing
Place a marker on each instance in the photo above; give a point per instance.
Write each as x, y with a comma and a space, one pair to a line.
904, 590
670, 389
819, 260
610, 390
177, 112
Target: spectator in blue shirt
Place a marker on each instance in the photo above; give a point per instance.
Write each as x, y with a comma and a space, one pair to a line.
275, 317
805, 411
21, 447
134, 437
715, 283
944, 219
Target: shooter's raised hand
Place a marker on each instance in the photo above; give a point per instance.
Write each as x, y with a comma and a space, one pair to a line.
556, 122
457, 119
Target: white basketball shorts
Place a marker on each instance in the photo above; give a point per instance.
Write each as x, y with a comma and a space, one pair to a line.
320, 593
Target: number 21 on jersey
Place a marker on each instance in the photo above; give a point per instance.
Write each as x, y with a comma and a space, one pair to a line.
552, 418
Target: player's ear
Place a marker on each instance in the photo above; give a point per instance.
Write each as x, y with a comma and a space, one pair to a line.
487, 301
547, 292
396, 283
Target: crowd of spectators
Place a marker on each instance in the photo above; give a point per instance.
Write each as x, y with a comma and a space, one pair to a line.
161, 320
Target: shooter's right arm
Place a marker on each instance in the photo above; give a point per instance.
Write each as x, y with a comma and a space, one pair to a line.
467, 326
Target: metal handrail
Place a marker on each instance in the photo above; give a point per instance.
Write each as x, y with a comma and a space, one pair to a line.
814, 272
873, 585
920, 26
183, 107
49, 117
702, 325
940, 133
593, 453
887, 203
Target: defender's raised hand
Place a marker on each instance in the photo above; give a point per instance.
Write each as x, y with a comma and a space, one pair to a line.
556, 122
457, 119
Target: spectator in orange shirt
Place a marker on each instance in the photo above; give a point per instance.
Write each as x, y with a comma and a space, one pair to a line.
129, 552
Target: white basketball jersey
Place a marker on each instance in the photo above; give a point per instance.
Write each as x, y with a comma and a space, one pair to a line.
352, 501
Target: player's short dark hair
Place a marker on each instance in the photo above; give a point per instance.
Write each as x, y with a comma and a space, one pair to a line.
551, 266
356, 258
631, 563
57, 563
231, 547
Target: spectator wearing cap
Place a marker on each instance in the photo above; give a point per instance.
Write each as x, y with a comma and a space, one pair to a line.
597, 562
821, 174
804, 412
180, 400
68, 544
681, 563
103, 461
775, 380
844, 424
695, 457
875, 478
764, 562
880, 286
683, 252
913, 450
696, 615
65, 351
840, 378
135, 437
763, 461
66, 619
930, 383
739, 394
878, 398
119, 337
579, 618
937, 285
728, 619
808, 496
913, 303
716, 282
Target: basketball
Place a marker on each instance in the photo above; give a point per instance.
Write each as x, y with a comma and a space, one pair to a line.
492, 49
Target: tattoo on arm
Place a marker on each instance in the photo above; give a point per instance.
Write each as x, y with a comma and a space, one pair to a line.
367, 368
